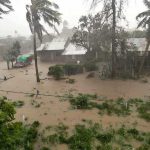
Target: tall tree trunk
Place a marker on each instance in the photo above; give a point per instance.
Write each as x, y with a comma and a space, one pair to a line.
12, 65
8, 65
144, 56
35, 57
114, 39
56, 30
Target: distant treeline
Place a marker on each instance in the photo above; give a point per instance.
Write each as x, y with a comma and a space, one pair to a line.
136, 34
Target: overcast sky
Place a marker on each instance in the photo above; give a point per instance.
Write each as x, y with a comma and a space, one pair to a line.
71, 11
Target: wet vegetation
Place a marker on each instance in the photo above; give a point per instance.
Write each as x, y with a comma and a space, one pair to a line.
119, 107
92, 136
15, 135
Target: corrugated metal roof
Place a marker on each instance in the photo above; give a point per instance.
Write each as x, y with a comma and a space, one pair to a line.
74, 50
140, 43
41, 47
56, 44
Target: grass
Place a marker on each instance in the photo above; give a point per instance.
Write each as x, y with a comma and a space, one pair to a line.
144, 111
92, 136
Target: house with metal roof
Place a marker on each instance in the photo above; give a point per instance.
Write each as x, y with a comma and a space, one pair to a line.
61, 50
52, 51
74, 53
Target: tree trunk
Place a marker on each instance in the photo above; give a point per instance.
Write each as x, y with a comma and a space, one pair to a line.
114, 39
12, 65
144, 56
56, 30
35, 58
8, 65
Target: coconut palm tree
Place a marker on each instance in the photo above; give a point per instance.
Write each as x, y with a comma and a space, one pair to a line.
145, 23
37, 11
5, 7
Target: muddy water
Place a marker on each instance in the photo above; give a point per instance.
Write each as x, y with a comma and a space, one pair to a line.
52, 110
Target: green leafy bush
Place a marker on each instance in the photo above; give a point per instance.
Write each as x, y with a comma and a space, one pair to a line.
14, 135
82, 138
72, 69
144, 111
105, 137
91, 66
18, 103
56, 71
80, 102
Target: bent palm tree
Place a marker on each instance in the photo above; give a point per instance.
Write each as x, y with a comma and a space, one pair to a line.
38, 10
5, 7
145, 23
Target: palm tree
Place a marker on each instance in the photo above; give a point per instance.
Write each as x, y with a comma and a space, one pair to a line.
145, 23
5, 7
37, 11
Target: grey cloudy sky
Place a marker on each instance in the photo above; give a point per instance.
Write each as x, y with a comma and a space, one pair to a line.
71, 11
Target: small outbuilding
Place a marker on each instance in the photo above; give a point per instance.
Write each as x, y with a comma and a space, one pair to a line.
74, 53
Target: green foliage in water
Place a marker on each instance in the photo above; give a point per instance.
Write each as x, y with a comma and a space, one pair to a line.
90, 66
15, 135
56, 71
72, 69
144, 111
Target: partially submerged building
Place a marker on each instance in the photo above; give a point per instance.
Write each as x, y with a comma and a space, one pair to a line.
61, 50
52, 51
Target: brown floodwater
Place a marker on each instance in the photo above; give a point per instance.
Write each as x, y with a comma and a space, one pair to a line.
52, 110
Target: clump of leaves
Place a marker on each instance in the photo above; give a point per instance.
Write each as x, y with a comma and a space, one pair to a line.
18, 104
59, 136
82, 138
31, 95
80, 102
56, 71
144, 111
105, 137
45, 148
72, 69
13, 134
118, 107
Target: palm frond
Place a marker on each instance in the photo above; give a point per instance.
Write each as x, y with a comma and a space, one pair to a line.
6, 7
143, 14
147, 3
142, 23
45, 10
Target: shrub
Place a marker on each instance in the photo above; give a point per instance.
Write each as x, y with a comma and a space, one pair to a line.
105, 138
91, 66
72, 69
82, 139
144, 111
133, 132
14, 135
56, 71
45, 148
80, 102
18, 103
